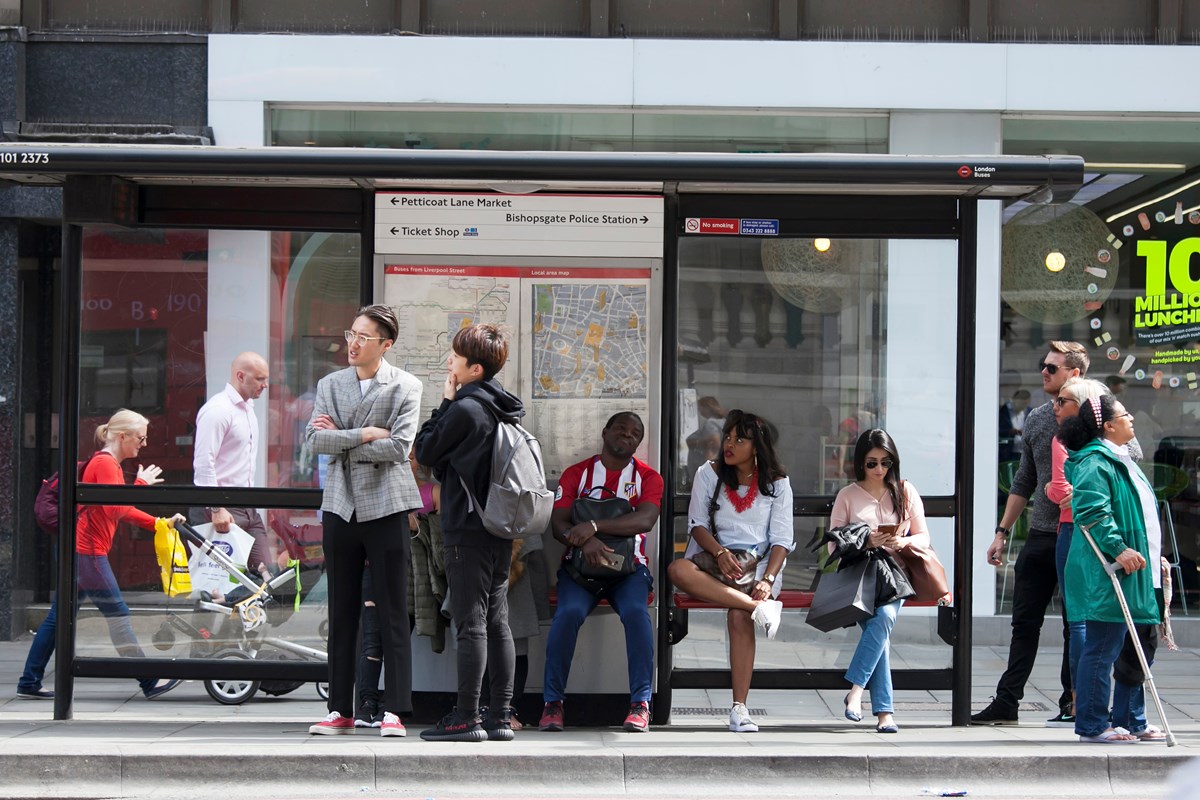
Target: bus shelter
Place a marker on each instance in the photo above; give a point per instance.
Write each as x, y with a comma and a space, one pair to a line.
832, 292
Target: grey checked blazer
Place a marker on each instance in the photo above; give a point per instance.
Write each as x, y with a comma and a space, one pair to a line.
374, 479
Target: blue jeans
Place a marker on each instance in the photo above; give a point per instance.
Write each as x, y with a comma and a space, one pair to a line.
871, 666
39, 653
629, 598
1100, 648
98, 584
1129, 689
1077, 630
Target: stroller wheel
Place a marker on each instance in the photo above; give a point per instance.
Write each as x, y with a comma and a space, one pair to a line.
323, 690
231, 692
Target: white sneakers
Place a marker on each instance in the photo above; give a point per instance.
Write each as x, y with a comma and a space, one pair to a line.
767, 615
740, 721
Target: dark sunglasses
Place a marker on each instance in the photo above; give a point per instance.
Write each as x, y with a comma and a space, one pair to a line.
1061, 401
1049, 368
885, 463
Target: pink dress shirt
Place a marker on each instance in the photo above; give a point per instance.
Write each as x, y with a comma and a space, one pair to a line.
226, 441
1058, 487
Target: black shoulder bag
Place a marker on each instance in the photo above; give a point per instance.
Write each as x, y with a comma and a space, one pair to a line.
585, 509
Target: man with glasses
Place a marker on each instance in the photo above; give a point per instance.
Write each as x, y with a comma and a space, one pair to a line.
1035, 573
226, 451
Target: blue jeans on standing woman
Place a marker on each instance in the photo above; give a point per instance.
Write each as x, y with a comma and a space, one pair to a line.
1077, 630
871, 665
1101, 646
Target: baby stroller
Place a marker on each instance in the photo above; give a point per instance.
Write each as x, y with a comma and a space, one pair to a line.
240, 629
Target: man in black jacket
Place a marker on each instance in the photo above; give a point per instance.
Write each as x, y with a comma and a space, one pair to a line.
457, 443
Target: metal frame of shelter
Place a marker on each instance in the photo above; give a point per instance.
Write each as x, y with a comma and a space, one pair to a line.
332, 190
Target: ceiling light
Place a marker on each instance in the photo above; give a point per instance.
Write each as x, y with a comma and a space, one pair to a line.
1055, 261
821, 244
1158, 199
1133, 165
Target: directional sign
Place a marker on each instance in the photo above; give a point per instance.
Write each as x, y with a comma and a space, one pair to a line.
428, 223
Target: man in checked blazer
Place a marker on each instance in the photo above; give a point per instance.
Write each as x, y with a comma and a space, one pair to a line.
365, 417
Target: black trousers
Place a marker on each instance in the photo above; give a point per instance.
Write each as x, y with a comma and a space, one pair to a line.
348, 546
477, 577
1034, 581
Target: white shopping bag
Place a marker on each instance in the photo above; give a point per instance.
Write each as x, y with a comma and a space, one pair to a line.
209, 575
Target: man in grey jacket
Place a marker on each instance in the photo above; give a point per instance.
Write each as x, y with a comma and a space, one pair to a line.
1035, 574
366, 416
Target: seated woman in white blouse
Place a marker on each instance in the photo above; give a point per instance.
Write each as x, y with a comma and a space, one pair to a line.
740, 519
893, 510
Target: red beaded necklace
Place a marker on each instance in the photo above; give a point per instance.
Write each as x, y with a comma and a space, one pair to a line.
739, 503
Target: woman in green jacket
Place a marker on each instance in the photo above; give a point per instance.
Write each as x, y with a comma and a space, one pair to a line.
1113, 501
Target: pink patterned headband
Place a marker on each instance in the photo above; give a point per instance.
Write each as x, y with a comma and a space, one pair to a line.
1094, 403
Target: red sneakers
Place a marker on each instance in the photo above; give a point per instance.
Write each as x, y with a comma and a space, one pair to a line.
391, 725
638, 720
552, 717
332, 725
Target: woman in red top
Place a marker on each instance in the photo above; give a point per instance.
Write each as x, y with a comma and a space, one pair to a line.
122, 437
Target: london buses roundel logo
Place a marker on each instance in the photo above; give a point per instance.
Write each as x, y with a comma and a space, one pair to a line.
964, 171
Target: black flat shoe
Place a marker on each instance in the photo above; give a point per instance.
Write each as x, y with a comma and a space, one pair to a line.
850, 715
887, 729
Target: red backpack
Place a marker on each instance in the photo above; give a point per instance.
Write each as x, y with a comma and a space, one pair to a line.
45, 507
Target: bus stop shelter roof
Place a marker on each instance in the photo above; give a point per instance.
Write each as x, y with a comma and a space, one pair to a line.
1052, 178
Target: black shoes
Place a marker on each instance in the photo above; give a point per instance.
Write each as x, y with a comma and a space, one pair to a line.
995, 714
456, 727
1063, 719
498, 725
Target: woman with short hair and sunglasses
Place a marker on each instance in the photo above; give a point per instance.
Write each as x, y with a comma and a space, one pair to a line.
740, 518
893, 510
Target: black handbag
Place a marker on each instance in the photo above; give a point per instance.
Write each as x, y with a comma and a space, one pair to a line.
584, 509
845, 597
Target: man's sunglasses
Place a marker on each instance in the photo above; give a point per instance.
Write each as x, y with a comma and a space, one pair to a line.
886, 464
1050, 368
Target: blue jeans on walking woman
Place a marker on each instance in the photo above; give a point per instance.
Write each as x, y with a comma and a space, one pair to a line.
40, 652
871, 666
98, 584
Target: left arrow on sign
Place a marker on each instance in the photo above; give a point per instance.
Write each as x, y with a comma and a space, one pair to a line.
395, 231
395, 200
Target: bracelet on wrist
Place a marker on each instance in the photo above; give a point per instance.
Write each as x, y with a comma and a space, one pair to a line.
595, 527
720, 552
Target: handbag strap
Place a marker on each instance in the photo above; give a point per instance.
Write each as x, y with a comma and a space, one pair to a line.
712, 507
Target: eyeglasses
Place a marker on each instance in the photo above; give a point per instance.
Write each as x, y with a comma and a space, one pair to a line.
885, 463
359, 339
141, 439
1061, 401
1049, 368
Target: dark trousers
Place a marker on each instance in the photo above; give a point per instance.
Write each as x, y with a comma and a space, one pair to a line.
348, 546
477, 579
370, 650
1035, 578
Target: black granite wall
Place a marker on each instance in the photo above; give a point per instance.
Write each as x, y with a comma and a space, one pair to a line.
117, 82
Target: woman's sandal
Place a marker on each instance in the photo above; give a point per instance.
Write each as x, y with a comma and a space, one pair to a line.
1151, 734
1111, 736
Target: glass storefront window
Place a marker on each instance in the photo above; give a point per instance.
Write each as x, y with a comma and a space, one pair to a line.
165, 312
825, 338
1114, 271
614, 130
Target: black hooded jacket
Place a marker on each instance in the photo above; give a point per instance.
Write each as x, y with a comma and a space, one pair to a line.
456, 442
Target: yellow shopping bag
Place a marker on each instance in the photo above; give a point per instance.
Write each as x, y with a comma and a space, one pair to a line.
172, 559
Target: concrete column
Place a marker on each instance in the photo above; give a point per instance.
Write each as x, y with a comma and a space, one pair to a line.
10, 422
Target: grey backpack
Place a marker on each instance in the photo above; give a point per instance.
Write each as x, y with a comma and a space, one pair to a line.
518, 502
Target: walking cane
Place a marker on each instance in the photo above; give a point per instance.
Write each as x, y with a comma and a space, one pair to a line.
1111, 569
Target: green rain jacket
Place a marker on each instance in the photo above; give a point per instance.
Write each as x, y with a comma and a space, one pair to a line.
1105, 500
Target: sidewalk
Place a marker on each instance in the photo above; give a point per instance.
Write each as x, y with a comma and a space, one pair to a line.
120, 745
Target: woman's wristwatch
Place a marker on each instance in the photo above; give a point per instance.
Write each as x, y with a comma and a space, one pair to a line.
769, 578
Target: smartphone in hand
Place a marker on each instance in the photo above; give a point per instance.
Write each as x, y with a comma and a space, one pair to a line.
889, 529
